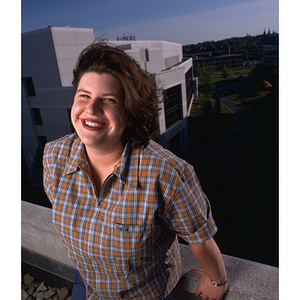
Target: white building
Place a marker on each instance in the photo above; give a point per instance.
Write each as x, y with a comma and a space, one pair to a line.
48, 58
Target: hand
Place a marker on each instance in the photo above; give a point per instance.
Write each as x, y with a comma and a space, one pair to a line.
208, 291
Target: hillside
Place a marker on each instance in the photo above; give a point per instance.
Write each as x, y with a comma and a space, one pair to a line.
237, 44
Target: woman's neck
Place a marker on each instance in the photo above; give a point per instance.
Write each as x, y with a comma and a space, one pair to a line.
104, 159
102, 164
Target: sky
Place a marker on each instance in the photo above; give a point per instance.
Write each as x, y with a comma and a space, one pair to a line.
184, 22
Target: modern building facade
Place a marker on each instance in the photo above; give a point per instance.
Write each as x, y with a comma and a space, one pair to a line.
48, 58
271, 55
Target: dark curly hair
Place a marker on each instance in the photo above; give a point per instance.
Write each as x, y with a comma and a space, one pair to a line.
141, 99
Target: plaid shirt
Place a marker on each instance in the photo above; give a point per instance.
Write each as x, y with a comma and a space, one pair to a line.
124, 241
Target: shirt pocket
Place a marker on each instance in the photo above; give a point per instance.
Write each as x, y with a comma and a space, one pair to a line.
134, 247
133, 240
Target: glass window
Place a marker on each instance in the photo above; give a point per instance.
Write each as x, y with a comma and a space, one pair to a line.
37, 116
189, 85
29, 86
172, 105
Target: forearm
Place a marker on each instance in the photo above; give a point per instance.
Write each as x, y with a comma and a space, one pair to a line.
210, 258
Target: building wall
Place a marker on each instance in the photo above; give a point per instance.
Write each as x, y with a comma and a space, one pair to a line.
153, 56
69, 42
271, 55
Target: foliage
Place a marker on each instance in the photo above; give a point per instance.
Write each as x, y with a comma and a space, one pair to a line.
205, 106
204, 74
225, 71
205, 121
236, 44
263, 72
244, 52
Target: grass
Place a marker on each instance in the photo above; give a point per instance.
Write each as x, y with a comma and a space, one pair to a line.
243, 98
223, 109
232, 74
199, 104
205, 124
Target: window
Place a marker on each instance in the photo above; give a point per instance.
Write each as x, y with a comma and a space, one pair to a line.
147, 54
37, 116
172, 105
29, 86
189, 86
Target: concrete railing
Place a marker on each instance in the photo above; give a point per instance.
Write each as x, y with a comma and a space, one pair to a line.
42, 248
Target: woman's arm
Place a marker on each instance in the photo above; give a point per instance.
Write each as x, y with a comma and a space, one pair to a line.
210, 258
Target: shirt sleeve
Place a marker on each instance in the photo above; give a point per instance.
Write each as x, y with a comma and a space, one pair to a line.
188, 211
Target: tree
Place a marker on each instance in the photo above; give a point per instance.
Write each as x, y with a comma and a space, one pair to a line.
207, 107
204, 74
225, 71
245, 54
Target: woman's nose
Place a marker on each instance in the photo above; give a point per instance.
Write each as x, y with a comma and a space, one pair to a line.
94, 107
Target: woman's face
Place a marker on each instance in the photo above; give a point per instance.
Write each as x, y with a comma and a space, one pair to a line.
98, 114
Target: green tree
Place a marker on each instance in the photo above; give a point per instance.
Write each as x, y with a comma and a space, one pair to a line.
245, 54
204, 74
225, 71
207, 107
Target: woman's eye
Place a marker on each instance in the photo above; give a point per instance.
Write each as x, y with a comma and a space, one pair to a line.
110, 100
84, 96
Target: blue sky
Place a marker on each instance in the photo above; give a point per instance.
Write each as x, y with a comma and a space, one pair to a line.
185, 22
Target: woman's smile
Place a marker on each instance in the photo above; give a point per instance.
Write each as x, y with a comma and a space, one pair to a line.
93, 125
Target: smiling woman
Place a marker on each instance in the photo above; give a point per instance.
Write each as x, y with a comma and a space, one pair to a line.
119, 199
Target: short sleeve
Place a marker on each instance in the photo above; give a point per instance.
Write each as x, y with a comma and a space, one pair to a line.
188, 211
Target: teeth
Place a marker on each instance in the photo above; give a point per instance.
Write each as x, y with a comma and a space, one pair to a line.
91, 124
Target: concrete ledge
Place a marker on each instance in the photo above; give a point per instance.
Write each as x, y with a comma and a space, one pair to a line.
246, 279
42, 248
39, 235
48, 265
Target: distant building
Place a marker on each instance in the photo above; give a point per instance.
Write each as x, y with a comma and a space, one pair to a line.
271, 55
215, 60
48, 58
124, 37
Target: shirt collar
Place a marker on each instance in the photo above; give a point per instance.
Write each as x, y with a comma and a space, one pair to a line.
77, 158
127, 169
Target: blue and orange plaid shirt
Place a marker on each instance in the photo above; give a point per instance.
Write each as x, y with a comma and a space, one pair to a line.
124, 241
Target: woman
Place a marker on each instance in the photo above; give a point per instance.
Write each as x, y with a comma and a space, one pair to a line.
119, 199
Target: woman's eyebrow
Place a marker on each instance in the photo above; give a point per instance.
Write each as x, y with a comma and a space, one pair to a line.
110, 94
103, 95
84, 91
